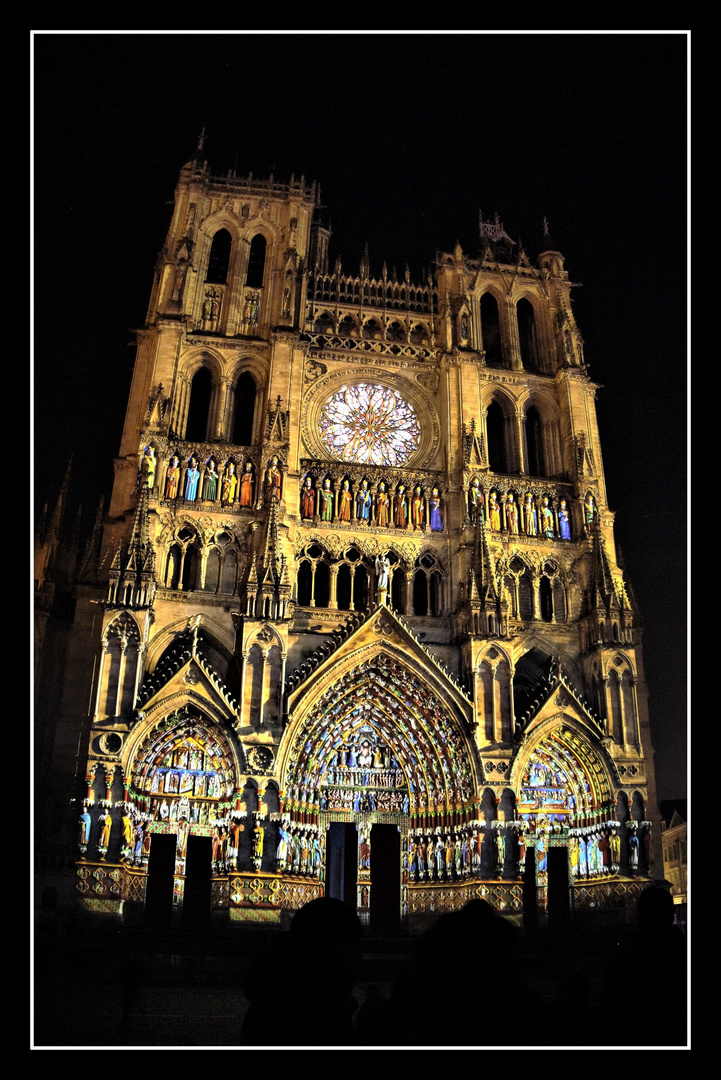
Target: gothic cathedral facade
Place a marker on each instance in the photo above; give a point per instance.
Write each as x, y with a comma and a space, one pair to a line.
364, 632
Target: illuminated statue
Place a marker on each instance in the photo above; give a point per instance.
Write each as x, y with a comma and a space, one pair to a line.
326, 502
246, 485
344, 503
547, 523
383, 567
363, 503
382, 506
494, 512
511, 514
148, 467
210, 481
418, 510
400, 512
172, 479
435, 511
228, 485
307, 500
530, 521
272, 481
191, 480
85, 823
106, 823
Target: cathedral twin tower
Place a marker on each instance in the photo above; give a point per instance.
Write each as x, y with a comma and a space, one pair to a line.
364, 632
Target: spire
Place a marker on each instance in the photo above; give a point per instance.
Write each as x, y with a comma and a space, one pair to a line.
132, 579
547, 242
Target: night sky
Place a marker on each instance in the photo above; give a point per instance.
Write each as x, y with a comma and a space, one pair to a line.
409, 135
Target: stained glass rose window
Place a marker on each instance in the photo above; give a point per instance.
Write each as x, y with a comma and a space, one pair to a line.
371, 425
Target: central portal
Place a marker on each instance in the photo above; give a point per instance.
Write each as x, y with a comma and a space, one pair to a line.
385, 878
363, 870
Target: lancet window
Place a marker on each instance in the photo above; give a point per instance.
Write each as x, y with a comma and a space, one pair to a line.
183, 561
201, 391
491, 331
219, 258
256, 262
527, 335
428, 586
244, 409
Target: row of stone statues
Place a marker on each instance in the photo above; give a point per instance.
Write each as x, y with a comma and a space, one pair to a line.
299, 851
530, 515
212, 305
212, 482
440, 857
401, 508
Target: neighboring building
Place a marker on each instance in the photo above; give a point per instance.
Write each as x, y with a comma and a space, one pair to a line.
673, 842
354, 620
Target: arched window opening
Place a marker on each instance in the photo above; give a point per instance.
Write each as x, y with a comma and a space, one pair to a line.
629, 706
113, 676
527, 334
491, 331
256, 262
196, 428
191, 568
219, 259
525, 597
212, 571
398, 590
321, 589
486, 697
343, 587
360, 589
546, 599
436, 597
559, 600
420, 593
229, 575
245, 392
305, 584
324, 324
536, 463
503, 678
614, 699
498, 457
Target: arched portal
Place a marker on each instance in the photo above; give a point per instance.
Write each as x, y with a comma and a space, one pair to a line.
378, 747
184, 779
564, 789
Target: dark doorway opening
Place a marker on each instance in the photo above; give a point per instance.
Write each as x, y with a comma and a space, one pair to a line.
385, 878
198, 881
161, 871
342, 862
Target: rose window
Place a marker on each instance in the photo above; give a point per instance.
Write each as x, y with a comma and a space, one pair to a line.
370, 425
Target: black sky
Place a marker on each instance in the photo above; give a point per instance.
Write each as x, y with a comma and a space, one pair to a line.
408, 135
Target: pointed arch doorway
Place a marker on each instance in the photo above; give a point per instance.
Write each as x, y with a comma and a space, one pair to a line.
363, 869
380, 755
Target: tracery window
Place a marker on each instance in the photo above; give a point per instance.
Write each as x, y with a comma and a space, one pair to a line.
427, 586
371, 425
